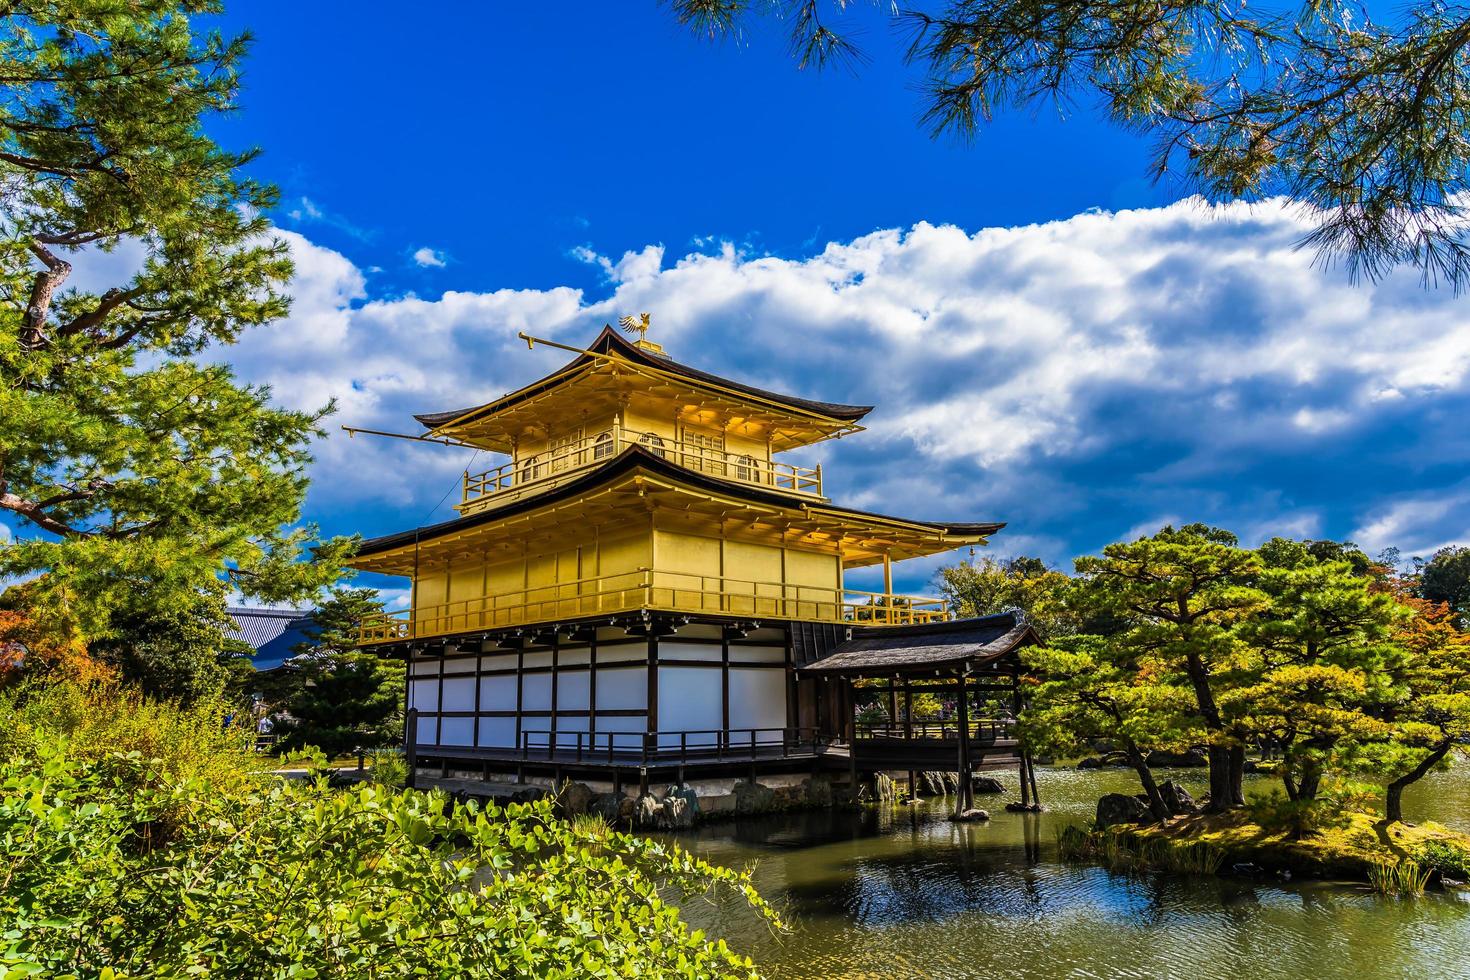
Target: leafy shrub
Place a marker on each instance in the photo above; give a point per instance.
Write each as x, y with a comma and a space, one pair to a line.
389, 768
1445, 858
1296, 818
290, 879
208, 741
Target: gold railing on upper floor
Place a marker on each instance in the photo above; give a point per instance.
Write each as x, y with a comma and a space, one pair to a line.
545, 470
649, 588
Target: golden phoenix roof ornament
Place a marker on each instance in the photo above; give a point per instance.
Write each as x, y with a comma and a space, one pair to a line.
638, 326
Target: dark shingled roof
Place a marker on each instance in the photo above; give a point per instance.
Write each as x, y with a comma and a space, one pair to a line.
980, 642
272, 632
610, 342
638, 456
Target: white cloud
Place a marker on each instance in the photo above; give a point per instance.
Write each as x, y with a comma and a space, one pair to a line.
428, 258
1078, 378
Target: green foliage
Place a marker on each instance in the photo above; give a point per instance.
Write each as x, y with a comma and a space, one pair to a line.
388, 768
1445, 859
1359, 116
1405, 877
1445, 578
300, 880
340, 698
978, 588
1121, 850
1298, 818
177, 651
132, 465
123, 864
1326, 662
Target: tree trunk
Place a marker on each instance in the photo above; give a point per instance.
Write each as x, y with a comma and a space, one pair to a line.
1222, 797
1311, 780
1156, 804
1237, 775
1394, 799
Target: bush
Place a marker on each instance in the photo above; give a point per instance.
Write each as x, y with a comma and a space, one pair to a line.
1444, 858
208, 741
121, 865
1296, 818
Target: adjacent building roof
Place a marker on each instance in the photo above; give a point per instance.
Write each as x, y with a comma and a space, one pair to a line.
272, 632
610, 342
978, 643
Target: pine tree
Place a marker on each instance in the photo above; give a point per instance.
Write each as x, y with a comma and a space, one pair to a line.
131, 464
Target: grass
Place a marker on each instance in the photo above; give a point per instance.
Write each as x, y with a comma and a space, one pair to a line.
1405, 878
1351, 849
1122, 850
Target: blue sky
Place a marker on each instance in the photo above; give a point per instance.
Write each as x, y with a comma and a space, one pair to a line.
1051, 341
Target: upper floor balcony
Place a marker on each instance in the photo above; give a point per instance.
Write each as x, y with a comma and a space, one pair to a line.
648, 588
542, 471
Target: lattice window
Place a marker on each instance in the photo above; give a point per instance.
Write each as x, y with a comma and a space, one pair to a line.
562, 451
706, 450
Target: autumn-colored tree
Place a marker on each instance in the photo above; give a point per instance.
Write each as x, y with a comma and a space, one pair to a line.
42, 645
1431, 718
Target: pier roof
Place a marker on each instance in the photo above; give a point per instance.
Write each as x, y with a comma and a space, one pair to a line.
979, 644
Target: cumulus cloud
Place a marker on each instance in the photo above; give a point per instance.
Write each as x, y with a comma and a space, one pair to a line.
428, 258
1082, 379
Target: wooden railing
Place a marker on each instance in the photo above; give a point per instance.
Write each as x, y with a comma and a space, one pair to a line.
683, 747
648, 588
981, 730
546, 470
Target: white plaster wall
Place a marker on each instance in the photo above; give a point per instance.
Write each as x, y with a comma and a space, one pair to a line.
498, 732
498, 693
688, 700
459, 694
757, 698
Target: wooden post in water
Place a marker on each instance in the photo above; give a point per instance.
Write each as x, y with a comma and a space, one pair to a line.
964, 796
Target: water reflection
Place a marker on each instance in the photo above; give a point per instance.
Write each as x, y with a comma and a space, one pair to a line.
905, 893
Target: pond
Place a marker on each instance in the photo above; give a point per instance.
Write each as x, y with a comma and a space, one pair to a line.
902, 892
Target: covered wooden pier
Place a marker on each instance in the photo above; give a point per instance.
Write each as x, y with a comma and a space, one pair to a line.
975, 662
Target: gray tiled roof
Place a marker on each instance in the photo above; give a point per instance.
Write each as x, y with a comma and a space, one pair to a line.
271, 632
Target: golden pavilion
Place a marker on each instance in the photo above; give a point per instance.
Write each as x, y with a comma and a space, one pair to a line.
647, 581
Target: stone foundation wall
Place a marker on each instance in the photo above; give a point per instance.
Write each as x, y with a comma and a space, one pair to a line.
680, 806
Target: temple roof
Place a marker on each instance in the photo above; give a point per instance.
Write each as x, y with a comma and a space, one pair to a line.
977, 643
637, 463
830, 417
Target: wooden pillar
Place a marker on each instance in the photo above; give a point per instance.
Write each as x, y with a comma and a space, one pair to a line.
965, 798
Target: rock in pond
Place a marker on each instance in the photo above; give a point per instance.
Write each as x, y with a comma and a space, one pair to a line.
970, 816
1188, 759
985, 784
1117, 808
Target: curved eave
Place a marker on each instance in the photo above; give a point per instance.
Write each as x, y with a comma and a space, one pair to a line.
609, 342
636, 458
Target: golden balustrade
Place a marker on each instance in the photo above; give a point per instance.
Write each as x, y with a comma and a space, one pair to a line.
648, 588
546, 470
